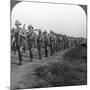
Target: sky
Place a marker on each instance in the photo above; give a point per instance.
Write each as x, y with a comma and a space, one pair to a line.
61, 18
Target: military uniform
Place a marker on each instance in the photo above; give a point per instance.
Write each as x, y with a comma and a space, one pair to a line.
56, 43
13, 44
52, 44
46, 43
18, 44
30, 42
39, 43
19, 39
65, 42
23, 37
60, 42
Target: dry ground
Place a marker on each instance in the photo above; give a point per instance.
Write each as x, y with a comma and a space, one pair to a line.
65, 68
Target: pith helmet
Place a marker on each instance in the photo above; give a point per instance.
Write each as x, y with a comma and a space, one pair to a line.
45, 32
17, 22
30, 26
39, 30
51, 31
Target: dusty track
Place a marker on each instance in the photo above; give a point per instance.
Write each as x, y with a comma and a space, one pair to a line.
71, 65
17, 71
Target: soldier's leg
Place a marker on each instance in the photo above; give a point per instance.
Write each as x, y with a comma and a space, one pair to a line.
19, 55
30, 51
39, 51
63, 46
24, 48
60, 46
43, 53
51, 49
14, 47
55, 47
46, 51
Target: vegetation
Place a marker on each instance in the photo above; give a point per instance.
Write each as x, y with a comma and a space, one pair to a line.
71, 71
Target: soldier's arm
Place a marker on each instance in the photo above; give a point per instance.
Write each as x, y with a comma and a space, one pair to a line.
22, 33
36, 41
35, 29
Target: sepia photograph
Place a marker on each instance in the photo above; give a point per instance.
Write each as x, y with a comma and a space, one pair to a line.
48, 44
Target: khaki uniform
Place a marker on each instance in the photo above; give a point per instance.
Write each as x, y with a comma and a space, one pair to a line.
30, 39
18, 41
46, 44
39, 45
13, 44
52, 44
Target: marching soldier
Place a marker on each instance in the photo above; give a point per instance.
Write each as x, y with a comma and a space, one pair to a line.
23, 36
18, 40
59, 42
13, 43
55, 42
30, 40
39, 43
46, 43
65, 42
52, 42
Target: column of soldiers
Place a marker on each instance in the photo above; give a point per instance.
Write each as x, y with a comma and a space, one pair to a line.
22, 39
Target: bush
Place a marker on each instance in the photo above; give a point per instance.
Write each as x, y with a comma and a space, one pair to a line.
72, 70
59, 74
76, 54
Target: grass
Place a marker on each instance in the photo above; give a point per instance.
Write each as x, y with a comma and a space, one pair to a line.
77, 53
61, 74
71, 71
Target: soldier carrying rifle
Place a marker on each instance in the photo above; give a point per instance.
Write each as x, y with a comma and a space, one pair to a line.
19, 35
30, 39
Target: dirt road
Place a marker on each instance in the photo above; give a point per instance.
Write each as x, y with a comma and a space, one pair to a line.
18, 71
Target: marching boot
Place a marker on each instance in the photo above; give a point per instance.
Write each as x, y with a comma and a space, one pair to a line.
20, 57
19, 63
46, 52
31, 57
39, 54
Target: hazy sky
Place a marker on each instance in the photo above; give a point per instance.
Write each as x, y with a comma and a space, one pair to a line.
61, 18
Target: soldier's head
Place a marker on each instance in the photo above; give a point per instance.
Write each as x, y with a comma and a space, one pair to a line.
45, 32
39, 31
30, 27
51, 32
17, 23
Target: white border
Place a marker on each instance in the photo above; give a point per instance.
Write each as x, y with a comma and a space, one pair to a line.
5, 45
